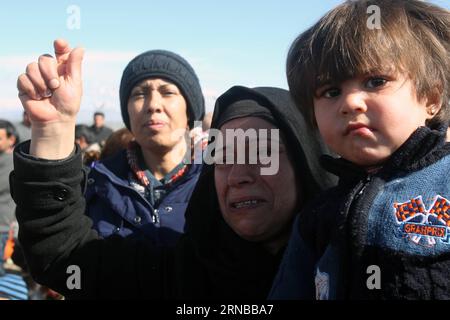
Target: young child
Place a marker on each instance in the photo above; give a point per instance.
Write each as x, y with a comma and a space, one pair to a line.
379, 95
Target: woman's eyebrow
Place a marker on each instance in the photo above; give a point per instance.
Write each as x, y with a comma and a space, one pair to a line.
143, 86
168, 85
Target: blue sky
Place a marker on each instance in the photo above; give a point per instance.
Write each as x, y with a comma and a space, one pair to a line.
228, 42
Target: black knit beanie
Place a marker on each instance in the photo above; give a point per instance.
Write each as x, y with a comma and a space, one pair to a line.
169, 66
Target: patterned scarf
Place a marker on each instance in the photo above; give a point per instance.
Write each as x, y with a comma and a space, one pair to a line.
198, 138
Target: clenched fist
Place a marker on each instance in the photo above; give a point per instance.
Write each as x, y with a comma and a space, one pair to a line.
50, 92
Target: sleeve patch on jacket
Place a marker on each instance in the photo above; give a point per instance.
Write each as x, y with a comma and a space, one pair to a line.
421, 226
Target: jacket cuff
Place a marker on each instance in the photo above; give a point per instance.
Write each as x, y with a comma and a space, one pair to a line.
24, 150
28, 166
46, 184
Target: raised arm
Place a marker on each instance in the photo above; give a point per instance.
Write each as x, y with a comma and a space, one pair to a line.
47, 184
58, 240
50, 92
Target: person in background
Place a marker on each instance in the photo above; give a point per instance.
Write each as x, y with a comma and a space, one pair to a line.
117, 141
7, 206
100, 131
24, 127
85, 139
9, 137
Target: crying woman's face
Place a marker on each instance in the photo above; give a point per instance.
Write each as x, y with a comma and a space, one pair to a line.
259, 208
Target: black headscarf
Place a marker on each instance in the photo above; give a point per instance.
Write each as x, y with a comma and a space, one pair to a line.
234, 267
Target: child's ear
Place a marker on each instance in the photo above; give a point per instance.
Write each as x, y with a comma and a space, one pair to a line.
432, 110
433, 103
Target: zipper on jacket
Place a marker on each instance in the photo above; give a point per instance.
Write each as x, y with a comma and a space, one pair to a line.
363, 187
349, 263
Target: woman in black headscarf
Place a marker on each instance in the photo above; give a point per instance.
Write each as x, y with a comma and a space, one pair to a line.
238, 221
